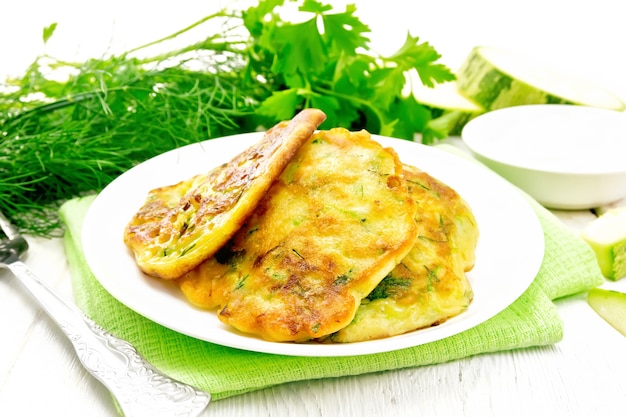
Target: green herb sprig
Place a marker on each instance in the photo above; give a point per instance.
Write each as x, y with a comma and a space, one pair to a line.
61, 139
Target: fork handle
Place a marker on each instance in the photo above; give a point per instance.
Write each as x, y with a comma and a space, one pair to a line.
139, 388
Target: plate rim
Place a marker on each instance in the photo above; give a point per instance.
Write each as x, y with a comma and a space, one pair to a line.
251, 343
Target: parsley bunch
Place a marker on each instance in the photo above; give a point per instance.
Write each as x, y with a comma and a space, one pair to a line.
325, 62
61, 139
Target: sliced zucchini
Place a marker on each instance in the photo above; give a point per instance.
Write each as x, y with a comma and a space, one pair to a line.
610, 305
607, 237
496, 78
450, 109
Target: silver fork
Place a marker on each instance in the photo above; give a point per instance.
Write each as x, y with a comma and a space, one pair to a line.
138, 387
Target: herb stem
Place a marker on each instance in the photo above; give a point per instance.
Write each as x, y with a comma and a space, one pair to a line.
384, 130
220, 13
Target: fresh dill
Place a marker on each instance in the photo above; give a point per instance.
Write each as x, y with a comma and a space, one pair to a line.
62, 139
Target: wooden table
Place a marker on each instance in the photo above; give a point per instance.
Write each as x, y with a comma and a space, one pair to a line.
582, 375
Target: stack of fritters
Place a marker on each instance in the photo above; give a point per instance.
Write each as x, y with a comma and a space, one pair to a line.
181, 225
429, 285
341, 243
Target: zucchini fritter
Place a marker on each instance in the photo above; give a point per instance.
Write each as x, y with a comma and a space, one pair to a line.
334, 224
429, 286
181, 225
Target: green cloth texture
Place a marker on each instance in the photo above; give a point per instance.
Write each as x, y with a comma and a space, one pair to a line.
569, 266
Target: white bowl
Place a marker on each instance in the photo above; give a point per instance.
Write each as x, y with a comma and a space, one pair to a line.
565, 156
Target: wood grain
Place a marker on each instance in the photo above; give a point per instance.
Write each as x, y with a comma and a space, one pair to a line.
579, 376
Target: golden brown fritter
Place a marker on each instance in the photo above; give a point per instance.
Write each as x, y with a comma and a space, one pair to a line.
181, 225
335, 223
429, 286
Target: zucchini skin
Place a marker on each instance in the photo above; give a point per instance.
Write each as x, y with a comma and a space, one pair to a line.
610, 305
493, 88
608, 242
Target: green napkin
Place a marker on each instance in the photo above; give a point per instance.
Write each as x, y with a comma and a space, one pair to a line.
569, 266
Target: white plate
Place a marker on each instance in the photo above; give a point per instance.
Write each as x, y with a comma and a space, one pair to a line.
565, 156
511, 235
